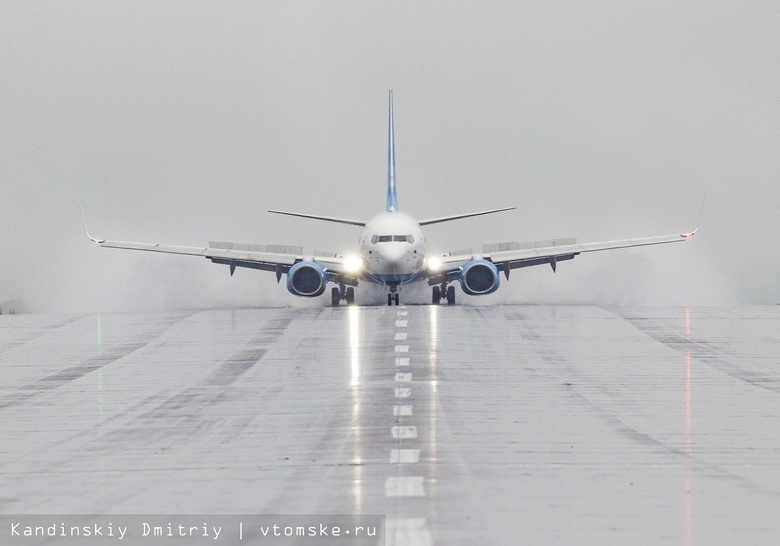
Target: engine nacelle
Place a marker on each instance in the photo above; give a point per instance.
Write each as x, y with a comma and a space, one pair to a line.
306, 279
479, 277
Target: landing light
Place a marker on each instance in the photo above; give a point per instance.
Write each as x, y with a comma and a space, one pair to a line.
353, 264
433, 263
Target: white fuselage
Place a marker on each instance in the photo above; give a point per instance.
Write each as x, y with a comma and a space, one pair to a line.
392, 247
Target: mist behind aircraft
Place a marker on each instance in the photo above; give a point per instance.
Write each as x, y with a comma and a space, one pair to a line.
600, 121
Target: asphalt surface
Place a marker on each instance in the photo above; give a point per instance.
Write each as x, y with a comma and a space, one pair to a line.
461, 425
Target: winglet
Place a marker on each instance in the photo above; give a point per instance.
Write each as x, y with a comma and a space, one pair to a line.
698, 220
96, 241
392, 197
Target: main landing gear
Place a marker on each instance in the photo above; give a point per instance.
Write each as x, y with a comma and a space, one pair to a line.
341, 292
441, 292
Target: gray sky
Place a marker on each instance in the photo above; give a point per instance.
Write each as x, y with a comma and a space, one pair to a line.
182, 122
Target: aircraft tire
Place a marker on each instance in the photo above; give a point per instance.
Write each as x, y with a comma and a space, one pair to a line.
335, 297
450, 295
436, 299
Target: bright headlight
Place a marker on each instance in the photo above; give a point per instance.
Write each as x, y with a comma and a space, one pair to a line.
353, 264
433, 263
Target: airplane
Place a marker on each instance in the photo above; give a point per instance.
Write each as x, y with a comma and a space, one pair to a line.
392, 253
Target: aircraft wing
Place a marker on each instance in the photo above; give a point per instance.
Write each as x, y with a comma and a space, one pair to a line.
278, 258
507, 256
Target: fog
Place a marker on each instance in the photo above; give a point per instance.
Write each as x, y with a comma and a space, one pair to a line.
183, 122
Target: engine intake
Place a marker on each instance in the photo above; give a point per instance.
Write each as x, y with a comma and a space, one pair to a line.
479, 277
306, 279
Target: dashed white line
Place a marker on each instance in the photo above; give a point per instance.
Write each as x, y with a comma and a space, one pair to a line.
408, 532
405, 531
402, 410
402, 456
404, 486
404, 432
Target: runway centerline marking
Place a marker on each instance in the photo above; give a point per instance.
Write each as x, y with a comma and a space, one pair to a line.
404, 456
404, 486
400, 432
408, 532
402, 410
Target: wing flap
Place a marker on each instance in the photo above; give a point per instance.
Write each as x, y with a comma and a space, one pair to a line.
515, 258
515, 255
229, 254
499, 247
273, 249
265, 257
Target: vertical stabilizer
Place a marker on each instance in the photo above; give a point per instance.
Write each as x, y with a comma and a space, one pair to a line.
392, 198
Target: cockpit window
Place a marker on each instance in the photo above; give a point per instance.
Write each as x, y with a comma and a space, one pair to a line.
392, 238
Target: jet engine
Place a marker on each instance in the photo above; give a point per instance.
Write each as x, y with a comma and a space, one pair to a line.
306, 279
479, 277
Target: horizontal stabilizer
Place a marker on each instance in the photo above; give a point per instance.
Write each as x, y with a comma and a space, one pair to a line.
429, 221
323, 218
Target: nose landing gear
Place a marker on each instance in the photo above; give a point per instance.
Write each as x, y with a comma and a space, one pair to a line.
392, 296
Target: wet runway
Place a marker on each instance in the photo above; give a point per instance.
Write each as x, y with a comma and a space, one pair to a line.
463, 425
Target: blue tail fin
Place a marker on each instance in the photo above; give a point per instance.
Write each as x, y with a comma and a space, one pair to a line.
392, 198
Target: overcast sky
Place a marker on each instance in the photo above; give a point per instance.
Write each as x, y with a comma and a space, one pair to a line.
183, 122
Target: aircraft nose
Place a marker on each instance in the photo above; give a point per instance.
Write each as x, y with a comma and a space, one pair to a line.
392, 253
